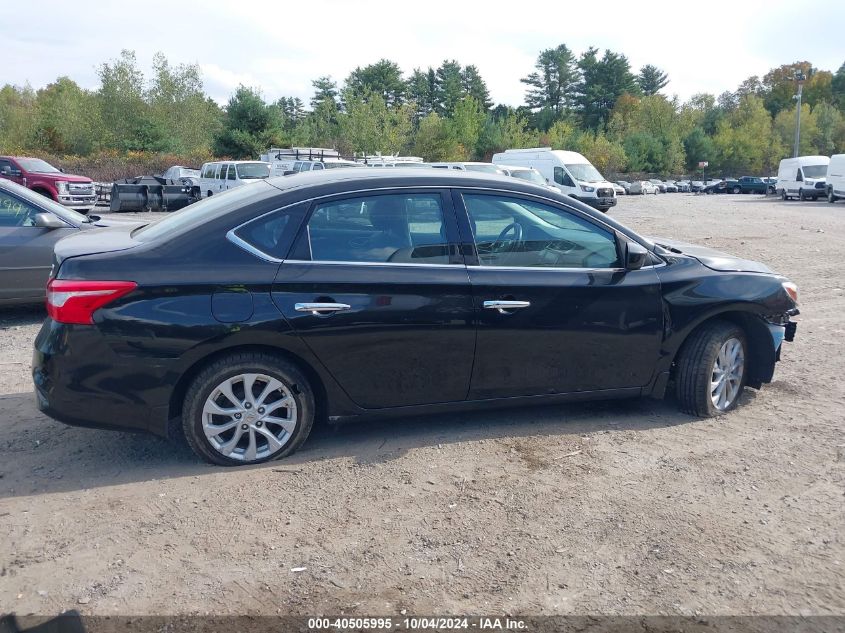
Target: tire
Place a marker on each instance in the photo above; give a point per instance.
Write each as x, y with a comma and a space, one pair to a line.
696, 367
736, 190
783, 195
801, 195
830, 197
231, 371
815, 198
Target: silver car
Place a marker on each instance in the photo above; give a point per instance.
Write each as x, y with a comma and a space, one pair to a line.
30, 225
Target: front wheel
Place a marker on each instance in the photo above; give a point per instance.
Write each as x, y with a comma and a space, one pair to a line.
247, 408
737, 190
830, 197
801, 195
711, 370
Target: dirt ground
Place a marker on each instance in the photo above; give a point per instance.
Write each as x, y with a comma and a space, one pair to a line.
616, 508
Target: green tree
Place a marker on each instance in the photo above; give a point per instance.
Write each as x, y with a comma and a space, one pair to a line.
784, 130
829, 125
369, 126
779, 85
603, 81
18, 117
474, 86
422, 91
325, 90
449, 87
384, 78
552, 85
180, 108
698, 147
652, 80
68, 118
250, 126
837, 88
434, 141
743, 139
607, 156
125, 113
466, 124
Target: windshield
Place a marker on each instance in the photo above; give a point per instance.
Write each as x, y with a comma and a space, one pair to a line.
204, 211
45, 203
487, 169
530, 175
253, 171
585, 172
815, 171
37, 165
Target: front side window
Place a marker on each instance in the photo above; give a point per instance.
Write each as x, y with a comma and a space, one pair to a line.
208, 172
799, 177
401, 229
221, 175
562, 178
15, 212
516, 232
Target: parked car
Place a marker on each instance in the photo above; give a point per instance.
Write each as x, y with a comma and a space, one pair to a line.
747, 184
642, 187
697, 186
570, 172
619, 189
835, 178
182, 175
803, 177
671, 187
219, 176
237, 319
626, 186
716, 186
661, 186
30, 225
487, 168
528, 174
69, 190
286, 161
683, 186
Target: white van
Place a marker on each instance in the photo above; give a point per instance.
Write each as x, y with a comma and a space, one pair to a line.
286, 161
220, 176
803, 177
570, 172
836, 178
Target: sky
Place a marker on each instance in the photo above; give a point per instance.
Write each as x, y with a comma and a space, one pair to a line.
280, 47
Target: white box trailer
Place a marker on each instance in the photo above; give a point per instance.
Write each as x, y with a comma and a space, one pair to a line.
570, 172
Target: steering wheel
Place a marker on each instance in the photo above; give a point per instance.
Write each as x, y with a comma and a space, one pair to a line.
504, 245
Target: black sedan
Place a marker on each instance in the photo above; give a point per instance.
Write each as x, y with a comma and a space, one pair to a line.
241, 319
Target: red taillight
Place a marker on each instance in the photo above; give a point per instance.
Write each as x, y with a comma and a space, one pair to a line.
71, 301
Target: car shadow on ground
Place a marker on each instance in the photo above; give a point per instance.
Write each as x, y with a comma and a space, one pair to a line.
42, 456
22, 315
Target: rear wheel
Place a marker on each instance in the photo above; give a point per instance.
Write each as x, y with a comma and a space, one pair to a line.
711, 370
737, 190
247, 408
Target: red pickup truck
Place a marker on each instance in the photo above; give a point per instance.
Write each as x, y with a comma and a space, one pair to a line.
75, 192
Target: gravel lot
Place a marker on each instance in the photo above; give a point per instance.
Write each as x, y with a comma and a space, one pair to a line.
625, 507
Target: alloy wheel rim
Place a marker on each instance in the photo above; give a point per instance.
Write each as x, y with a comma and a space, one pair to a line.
249, 417
726, 376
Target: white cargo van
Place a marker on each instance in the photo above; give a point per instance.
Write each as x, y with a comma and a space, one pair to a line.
835, 180
802, 177
570, 172
220, 176
286, 161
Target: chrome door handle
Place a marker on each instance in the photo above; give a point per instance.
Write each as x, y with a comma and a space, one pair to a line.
504, 307
318, 309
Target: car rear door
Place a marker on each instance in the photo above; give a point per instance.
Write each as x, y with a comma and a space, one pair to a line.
377, 289
556, 311
26, 251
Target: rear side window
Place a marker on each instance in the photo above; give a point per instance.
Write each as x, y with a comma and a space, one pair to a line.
273, 234
402, 229
233, 175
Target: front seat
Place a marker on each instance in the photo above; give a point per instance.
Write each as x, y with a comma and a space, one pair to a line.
389, 218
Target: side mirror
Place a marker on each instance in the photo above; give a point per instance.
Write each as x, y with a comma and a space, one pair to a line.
635, 256
49, 221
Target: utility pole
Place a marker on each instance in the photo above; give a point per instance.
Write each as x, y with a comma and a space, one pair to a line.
799, 77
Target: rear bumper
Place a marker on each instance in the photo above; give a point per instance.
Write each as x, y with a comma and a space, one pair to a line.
80, 381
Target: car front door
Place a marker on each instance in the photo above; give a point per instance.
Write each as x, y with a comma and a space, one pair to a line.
376, 288
26, 251
557, 312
